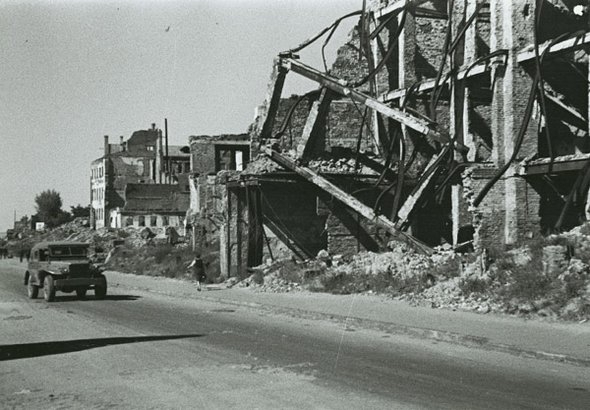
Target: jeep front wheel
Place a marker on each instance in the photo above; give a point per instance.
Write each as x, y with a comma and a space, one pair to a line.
32, 290
49, 288
100, 290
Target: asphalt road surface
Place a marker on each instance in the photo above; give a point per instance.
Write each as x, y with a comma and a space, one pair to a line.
142, 350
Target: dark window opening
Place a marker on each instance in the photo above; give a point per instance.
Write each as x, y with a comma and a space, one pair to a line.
231, 157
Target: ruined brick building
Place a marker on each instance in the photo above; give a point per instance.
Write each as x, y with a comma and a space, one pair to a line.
145, 158
446, 121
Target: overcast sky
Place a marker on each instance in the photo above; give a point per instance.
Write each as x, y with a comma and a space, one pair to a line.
73, 71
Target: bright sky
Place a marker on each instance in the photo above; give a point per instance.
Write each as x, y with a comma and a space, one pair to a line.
73, 71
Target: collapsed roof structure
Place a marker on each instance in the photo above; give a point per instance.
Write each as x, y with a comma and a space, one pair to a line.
458, 121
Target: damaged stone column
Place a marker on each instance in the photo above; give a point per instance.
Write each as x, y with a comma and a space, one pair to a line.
512, 25
459, 124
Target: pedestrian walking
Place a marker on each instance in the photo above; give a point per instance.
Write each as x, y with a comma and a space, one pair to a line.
198, 270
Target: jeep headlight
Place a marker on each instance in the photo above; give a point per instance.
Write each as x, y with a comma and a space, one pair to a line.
63, 271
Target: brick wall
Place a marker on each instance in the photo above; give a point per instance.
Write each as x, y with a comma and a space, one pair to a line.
203, 157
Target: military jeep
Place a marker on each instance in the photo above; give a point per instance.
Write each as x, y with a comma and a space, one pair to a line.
63, 266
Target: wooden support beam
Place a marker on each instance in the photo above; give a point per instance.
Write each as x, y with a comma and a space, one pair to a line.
340, 86
271, 103
410, 203
572, 115
299, 251
428, 85
347, 200
312, 128
570, 44
560, 164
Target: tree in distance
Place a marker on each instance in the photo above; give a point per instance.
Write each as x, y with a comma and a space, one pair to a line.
80, 211
48, 204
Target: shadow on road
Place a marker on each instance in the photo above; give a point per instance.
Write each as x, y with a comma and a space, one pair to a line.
72, 298
28, 350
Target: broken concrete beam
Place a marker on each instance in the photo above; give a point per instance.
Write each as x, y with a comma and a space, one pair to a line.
347, 200
570, 44
410, 203
312, 128
340, 86
266, 120
563, 163
466, 71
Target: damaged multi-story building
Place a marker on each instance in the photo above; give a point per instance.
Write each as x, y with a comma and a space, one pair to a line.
454, 121
116, 197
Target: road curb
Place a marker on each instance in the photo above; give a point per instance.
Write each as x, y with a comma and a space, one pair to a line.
416, 332
470, 341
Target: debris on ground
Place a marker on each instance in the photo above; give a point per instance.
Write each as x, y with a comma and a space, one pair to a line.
549, 278
543, 279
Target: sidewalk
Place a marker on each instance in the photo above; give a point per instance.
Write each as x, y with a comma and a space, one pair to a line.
565, 342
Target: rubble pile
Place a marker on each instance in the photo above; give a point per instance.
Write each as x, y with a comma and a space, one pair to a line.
541, 280
401, 262
261, 165
80, 231
463, 292
285, 275
339, 166
396, 270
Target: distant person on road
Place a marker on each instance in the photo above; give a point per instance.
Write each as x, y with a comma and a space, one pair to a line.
198, 270
21, 255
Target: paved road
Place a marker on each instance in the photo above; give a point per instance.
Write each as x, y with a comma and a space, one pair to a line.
139, 349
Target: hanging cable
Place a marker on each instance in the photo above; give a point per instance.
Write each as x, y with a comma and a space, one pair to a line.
325, 44
541, 85
324, 31
442, 62
287, 118
448, 50
382, 25
461, 33
386, 57
362, 31
401, 168
522, 130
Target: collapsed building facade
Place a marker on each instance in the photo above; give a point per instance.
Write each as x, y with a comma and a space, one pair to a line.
145, 158
445, 121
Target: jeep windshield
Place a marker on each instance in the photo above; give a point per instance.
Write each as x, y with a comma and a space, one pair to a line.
68, 252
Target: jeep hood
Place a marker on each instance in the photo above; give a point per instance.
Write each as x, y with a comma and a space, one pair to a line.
56, 266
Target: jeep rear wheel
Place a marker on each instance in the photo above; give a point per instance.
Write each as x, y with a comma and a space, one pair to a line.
100, 290
81, 293
49, 288
32, 290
